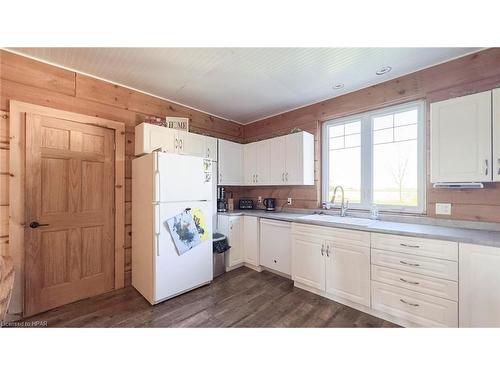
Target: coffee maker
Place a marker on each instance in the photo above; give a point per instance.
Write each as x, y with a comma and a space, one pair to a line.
270, 204
221, 199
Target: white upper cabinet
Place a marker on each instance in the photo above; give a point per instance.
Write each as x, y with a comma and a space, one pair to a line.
277, 161
299, 159
263, 158
496, 135
250, 163
191, 144
286, 160
461, 134
256, 158
211, 148
149, 137
479, 286
230, 163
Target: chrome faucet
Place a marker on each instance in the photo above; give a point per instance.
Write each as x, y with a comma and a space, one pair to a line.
343, 207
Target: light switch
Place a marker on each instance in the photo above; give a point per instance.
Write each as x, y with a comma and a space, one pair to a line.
443, 208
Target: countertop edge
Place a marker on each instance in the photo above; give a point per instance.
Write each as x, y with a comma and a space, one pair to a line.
460, 235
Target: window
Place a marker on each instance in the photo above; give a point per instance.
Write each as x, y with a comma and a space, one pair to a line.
378, 158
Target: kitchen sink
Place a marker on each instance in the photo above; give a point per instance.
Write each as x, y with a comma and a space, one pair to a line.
348, 220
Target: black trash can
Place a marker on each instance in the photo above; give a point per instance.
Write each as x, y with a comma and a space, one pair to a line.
219, 246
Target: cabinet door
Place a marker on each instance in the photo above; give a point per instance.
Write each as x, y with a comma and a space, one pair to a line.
308, 260
191, 144
263, 157
348, 272
479, 286
153, 137
294, 167
211, 148
496, 135
277, 161
461, 139
250, 163
251, 240
275, 245
230, 163
235, 254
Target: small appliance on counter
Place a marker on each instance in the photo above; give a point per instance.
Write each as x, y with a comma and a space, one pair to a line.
245, 204
221, 199
270, 204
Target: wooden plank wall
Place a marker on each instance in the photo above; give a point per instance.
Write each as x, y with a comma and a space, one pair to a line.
472, 73
34, 82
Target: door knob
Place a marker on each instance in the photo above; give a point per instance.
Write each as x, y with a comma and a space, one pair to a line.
36, 224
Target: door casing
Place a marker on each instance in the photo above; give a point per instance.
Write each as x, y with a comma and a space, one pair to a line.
17, 222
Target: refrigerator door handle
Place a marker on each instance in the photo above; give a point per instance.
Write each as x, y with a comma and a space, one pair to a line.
157, 228
157, 237
157, 187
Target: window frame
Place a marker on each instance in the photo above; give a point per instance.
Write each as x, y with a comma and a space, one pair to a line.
367, 159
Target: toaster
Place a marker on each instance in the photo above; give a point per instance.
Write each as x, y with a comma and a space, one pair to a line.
245, 204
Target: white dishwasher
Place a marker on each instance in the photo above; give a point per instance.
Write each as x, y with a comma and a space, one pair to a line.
275, 245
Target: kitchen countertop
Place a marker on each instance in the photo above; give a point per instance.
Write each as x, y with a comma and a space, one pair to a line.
440, 232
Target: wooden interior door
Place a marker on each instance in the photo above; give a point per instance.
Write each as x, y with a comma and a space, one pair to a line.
70, 194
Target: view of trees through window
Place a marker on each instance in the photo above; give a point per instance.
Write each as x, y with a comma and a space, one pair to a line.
375, 158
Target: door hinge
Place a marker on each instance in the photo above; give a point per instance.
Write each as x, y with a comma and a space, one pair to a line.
114, 146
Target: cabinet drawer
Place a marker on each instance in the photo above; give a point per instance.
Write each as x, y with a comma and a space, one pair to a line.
443, 269
418, 246
339, 236
425, 310
418, 283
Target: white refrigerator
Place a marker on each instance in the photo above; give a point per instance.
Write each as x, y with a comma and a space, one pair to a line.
164, 185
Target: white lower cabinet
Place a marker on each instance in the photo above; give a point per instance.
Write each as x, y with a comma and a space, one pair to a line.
308, 261
419, 308
479, 286
415, 279
232, 227
275, 245
348, 272
251, 240
243, 236
336, 261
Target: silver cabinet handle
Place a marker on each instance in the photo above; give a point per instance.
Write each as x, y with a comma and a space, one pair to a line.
180, 144
409, 282
328, 251
257, 178
286, 176
486, 167
283, 177
409, 303
410, 246
498, 161
322, 249
176, 142
409, 264
208, 152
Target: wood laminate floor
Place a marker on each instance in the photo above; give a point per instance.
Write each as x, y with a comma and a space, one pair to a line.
240, 298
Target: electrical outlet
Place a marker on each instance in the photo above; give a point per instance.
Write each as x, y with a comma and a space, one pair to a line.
259, 199
443, 208
289, 201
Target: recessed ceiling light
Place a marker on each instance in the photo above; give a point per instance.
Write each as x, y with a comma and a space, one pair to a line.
383, 70
338, 86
